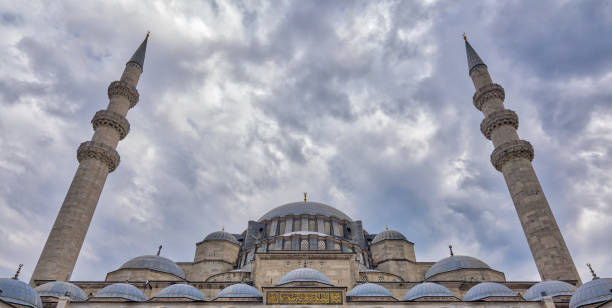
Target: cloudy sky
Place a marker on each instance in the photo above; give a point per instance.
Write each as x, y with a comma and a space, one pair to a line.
366, 105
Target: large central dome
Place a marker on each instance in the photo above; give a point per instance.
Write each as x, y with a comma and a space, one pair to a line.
307, 208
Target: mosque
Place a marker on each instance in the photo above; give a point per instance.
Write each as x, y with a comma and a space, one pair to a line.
305, 253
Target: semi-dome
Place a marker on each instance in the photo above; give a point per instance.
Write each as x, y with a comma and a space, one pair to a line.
121, 290
455, 263
594, 291
61, 288
307, 208
427, 289
488, 289
155, 263
239, 290
19, 292
388, 235
550, 288
181, 291
304, 275
369, 289
222, 236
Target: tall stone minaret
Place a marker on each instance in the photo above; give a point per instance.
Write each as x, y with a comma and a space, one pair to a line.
97, 158
512, 157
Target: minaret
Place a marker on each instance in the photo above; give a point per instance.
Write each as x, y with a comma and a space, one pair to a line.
512, 157
97, 158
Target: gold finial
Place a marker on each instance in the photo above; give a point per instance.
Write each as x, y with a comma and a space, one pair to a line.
222, 228
159, 249
148, 33
305, 200
464, 36
386, 227
592, 271
450, 247
16, 277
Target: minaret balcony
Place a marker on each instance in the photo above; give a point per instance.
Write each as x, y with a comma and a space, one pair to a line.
99, 151
497, 119
509, 151
112, 119
122, 88
486, 93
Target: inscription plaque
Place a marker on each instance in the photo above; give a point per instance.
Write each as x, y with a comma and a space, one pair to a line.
304, 297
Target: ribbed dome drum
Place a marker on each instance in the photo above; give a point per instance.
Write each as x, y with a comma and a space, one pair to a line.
427, 289
156, 263
488, 289
455, 263
304, 275
388, 235
61, 288
369, 290
221, 236
594, 291
550, 288
19, 292
181, 291
239, 290
123, 291
307, 208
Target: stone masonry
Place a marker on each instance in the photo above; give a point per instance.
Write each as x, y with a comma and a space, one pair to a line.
97, 158
512, 156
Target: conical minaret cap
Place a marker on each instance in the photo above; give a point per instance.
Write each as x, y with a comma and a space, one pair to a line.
472, 57
139, 55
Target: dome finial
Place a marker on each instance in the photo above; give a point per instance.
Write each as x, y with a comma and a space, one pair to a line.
386, 227
222, 228
148, 33
592, 271
450, 247
305, 193
464, 36
159, 249
16, 277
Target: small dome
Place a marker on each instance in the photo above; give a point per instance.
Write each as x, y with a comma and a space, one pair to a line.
181, 291
369, 289
307, 208
61, 288
239, 290
121, 290
550, 288
388, 235
221, 236
19, 292
487, 289
303, 275
155, 263
455, 263
594, 291
427, 289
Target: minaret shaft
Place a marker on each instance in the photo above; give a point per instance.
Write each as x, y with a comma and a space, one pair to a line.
97, 158
512, 157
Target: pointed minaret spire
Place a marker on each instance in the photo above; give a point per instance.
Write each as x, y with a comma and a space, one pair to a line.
473, 59
512, 157
97, 158
139, 56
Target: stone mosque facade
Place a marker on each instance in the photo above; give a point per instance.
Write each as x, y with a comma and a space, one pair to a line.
305, 253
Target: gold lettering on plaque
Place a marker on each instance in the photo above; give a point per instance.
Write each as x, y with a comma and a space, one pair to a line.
306, 297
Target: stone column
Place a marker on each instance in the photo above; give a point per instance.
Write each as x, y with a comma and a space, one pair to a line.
512, 157
97, 158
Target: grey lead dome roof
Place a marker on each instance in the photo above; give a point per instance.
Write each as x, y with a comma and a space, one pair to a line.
239, 290
488, 289
156, 263
388, 235
594, 291
550, 288
121, 290
181, 291
308, 208
19, 292
302, 275
454, 263
427, 289
61, 288
369, 289
221, 236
